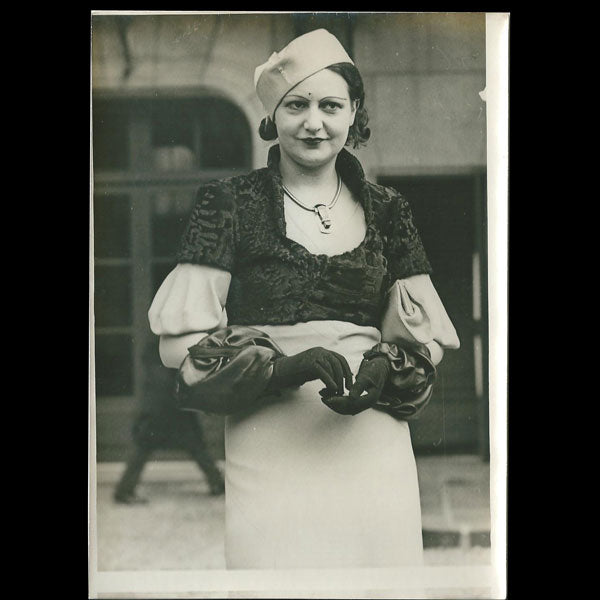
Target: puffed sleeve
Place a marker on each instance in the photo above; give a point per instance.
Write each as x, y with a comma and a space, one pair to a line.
191, 300
416, 313
189, 304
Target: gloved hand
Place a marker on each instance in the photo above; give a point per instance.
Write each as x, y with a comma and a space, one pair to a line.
315, 363
372, 376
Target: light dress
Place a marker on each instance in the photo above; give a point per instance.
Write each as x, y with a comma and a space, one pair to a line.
305, 486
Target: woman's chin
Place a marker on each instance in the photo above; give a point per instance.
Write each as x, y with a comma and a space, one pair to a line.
314, 157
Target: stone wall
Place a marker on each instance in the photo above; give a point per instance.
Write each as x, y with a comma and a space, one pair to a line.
423, 74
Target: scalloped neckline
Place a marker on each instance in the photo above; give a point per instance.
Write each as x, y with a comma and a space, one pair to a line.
328, 257
357, 188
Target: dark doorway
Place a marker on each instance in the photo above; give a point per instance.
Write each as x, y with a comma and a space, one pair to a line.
449, 211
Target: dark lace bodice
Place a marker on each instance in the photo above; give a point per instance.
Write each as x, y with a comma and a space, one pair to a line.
238, 224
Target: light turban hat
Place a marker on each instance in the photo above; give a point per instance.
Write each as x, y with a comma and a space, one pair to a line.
301, 58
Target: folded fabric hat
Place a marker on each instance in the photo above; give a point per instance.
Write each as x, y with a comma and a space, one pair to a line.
301, 58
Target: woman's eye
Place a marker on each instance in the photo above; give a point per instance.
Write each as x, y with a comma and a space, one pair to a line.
331, 106
296, 105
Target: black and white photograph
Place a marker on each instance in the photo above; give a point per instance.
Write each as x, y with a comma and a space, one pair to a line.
298, 311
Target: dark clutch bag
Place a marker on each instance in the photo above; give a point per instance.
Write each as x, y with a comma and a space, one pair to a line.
226, 372
410, 385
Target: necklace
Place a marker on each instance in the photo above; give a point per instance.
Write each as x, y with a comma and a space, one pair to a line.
320, 210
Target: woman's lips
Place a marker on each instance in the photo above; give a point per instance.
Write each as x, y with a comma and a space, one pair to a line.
313, 141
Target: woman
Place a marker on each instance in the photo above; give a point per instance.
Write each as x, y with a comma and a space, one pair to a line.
274, 309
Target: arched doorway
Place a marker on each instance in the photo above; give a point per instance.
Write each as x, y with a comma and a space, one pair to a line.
150, 153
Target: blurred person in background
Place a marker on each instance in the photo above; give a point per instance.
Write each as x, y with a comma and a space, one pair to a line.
273, 317
160, 425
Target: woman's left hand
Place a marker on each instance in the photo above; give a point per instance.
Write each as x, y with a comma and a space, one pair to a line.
366, 390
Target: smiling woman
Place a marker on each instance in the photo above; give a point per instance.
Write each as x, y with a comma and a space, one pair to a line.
358, 133
272, 317
313, 121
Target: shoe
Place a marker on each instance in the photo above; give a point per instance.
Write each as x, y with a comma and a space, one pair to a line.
130, 498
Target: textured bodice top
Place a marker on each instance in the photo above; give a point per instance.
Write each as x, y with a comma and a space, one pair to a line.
238, 225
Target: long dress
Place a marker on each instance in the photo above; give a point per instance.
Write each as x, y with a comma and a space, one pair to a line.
305, 486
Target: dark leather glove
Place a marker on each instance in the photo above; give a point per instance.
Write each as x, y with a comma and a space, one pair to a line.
372, 376
315, 363
397, 380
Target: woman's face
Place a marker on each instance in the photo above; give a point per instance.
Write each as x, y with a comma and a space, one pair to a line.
313, 119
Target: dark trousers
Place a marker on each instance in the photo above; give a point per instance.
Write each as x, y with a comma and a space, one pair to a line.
162, 430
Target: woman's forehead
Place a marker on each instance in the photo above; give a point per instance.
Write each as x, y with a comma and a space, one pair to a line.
323, 84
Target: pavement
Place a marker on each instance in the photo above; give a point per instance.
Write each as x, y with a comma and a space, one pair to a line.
455, 501
182, 525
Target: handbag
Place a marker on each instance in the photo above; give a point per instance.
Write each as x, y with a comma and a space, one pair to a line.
227, 372
409, 387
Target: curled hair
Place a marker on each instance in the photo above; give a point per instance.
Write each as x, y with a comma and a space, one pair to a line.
359, 133
267, 129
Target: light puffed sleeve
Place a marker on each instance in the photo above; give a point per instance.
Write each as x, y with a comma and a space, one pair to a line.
416, 310
189, 304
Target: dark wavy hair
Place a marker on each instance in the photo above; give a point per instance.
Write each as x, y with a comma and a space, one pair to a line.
359, 133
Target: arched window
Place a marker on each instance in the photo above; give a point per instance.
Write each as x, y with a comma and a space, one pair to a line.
169, 134
149, 156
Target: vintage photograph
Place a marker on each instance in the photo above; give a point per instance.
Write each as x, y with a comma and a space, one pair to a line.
297, 328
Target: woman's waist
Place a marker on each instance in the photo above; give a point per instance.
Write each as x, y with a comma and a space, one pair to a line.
293, 309
346, 338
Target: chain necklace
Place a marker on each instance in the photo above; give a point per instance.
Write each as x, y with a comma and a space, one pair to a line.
320, 210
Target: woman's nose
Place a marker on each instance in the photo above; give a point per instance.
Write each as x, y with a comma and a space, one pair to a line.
313, 120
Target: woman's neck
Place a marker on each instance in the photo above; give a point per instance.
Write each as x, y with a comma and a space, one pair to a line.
297, 176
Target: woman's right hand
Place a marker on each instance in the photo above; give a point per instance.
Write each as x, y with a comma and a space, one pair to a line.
371, 378
315, 363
